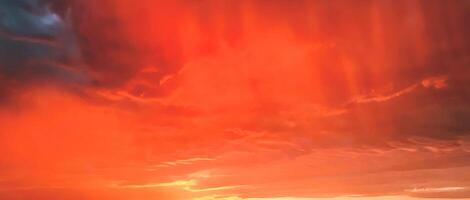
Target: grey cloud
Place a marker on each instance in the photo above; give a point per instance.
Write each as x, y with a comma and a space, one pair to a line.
37, 44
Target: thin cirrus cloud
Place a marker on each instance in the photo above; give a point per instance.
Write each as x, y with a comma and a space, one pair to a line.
234, 100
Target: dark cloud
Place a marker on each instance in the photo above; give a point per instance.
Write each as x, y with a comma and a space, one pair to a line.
77, 44
37, 45
120, 40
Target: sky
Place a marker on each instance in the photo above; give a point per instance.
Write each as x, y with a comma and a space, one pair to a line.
234, 100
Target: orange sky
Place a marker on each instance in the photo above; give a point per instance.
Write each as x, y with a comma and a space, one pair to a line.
244, 100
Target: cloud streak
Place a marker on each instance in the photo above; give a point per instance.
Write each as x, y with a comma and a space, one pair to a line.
234, 100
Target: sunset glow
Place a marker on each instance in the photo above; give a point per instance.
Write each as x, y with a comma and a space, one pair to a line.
234, 99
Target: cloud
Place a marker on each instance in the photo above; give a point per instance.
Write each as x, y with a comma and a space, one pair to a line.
70, 44
234, 99
443, 192
37, 45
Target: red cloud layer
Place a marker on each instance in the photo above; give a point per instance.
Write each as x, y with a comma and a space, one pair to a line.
245, 99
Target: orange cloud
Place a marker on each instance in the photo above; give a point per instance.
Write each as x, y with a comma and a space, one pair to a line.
244, 100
